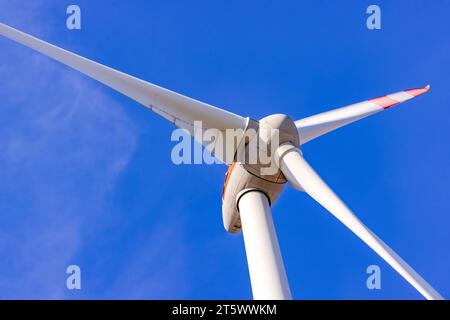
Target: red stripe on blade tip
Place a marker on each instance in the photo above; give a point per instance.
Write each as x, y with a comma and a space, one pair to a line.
384, 102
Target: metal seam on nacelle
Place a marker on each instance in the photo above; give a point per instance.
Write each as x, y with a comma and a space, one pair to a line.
246, 128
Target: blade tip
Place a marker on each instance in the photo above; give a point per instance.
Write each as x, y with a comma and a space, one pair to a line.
419, 91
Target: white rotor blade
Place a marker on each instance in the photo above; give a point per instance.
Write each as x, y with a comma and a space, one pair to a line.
176, 108
317, 125
300, 174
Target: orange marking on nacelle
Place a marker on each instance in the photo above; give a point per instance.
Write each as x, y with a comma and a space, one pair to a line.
228, 175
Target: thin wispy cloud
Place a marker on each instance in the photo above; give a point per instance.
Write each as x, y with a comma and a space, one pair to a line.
67, 146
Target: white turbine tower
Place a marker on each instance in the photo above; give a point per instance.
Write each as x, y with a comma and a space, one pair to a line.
248, 194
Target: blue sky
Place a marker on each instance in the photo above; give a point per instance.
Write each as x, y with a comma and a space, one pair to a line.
87, 179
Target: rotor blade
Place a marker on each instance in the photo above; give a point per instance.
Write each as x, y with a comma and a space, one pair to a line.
176, 108
299, 173
317, 125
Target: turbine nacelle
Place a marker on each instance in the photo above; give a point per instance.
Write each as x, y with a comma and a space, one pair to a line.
257, 172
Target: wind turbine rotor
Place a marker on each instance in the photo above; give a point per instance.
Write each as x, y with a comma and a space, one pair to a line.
247, 180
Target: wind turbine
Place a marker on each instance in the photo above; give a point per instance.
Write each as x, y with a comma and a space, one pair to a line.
248, 194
